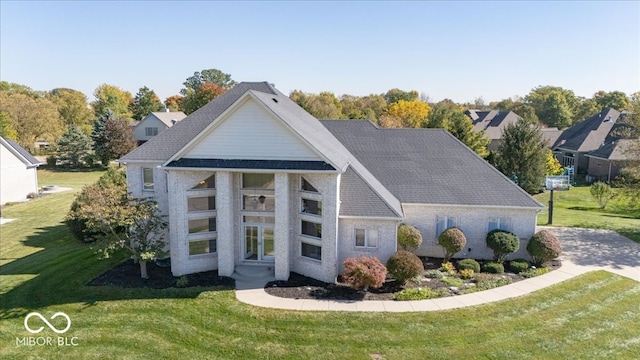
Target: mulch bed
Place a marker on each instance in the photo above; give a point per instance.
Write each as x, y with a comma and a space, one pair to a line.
127, 275
302, 287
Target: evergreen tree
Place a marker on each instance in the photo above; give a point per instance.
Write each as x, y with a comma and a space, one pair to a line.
450, 116
522, 155
97, 135
145, 102
74, 147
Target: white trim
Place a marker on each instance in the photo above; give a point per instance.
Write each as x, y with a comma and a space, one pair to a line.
349, 217
542, 207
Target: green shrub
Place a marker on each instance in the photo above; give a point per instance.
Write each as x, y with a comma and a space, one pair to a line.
543, 246
420, 294
493, 268
182, 281
452, 281
364, 272
409, 237
533, 272
468, 264
452, 240
404, 265
51, 161
434, 274
466, 273
518, 265
502, 243
602, 192
491, 283
448, 268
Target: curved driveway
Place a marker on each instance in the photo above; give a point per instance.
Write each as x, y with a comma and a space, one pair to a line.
584, 250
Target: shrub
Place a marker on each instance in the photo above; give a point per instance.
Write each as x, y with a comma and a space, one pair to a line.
468, 264
488, 283
502, 243
452, 240
602, 192
409, 237
182, 281
493, 268
420, 294
448, 268
364, 272
518, 265
533, 272
453, 281
51, 161
466, 273
433, 274
404, 265
543, 246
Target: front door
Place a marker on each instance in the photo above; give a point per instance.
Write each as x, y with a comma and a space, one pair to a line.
259, 242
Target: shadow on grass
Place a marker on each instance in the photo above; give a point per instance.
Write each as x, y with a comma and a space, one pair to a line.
62, 269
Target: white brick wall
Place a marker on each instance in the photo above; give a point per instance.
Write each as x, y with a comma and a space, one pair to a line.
387, 234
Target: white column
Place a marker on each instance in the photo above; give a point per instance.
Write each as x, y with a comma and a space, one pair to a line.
224, 207
282, 226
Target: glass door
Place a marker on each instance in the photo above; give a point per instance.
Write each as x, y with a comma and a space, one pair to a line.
268, 243
251, 242
259, 242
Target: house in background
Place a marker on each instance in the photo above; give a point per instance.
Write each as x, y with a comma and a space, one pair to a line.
155, 123
18, 172
573, 145
492, 122
253, 179
605, 162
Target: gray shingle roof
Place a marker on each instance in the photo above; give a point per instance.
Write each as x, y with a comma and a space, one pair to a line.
23, 154
491, 121
167, 117
613, 150
589, 134
428, 166
357, 198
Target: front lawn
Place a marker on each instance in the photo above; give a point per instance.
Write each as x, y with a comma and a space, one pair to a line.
44, 270
577, 208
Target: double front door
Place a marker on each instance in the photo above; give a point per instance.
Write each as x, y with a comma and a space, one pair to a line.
259, 242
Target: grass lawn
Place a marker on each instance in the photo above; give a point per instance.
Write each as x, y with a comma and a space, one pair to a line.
44, 270
577, 208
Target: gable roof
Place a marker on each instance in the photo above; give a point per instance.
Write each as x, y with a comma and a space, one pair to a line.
613, 150
357, 198
428, 166
492, 122
20, 152
167, 117
589, 134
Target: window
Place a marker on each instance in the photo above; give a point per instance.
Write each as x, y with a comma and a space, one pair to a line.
306, 186
259, 202
147, 179
311, 206
199, 247
499, 223
443, 223
311, 229
203, 203
366, 237
311, 251
150, 131
208, 183
202, 225
258, 181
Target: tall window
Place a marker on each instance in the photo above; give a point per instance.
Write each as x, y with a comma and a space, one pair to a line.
147, 179
366, 238
201, 217
310, 221
150, 131
443, 223
499, 223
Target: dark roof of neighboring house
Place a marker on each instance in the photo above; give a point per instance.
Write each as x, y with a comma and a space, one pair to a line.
428, 166
613, 150
357, 198
492, 122
589, 134
21, 153
550, 135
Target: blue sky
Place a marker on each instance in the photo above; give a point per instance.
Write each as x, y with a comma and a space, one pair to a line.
457, 50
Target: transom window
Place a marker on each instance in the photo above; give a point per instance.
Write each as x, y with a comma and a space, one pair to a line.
366, 238
201, 203
306, 186
202, 225
499, 223
147, 179
258, 181
443, 223
208, 183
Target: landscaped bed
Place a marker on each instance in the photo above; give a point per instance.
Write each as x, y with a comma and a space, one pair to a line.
431, 285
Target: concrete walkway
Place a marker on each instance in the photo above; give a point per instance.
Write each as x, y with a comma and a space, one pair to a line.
584, 250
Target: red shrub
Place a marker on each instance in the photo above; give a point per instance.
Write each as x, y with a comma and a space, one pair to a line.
364, 272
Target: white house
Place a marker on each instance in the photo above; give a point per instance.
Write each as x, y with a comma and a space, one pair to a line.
252, 178
18, 172
155, 123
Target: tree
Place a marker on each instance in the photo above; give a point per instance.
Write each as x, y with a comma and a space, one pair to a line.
97, 135
174, 103
212, 76
521, 155
144, 103
74, 147
543, 246
408, 237
502, 243
6, 127
112, 137
614, 99
194, 100
411, 114
552, 165
112, 98
322, 106
394, 95
554, 105
72, 107
14, 88
452, 240
33, 118
109, 209
587, 108
602, 192
449, 116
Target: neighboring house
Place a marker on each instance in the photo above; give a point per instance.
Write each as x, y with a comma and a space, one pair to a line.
252, 178
18, 172
575, 142
492, 122
605, 163
155, 123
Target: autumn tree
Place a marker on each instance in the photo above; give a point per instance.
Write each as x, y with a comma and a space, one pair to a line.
552, 165
144, 103
14, 88
322, 106
6, 127
615, 99
409, 114
212, 76
112, 137
112, 98
521, 154
74, 147
108, 209
72, 107
394, 95
174, 103
554, 105
194, 100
